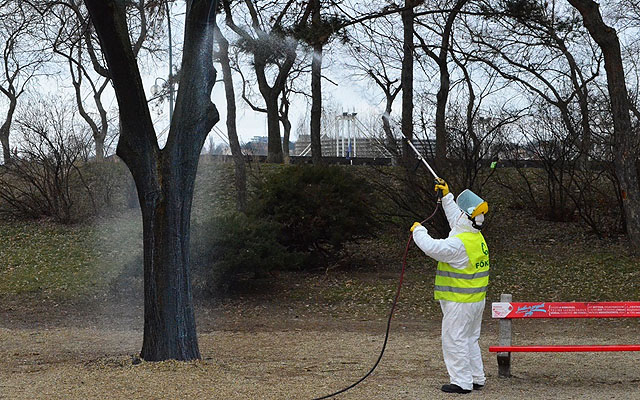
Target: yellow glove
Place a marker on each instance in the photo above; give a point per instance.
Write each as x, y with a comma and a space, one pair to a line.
442, 185
414, 226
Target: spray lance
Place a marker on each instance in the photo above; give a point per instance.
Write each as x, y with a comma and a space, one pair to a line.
421, 158
404, 265
470, 203
437, 179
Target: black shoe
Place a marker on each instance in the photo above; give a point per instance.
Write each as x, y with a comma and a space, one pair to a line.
477, 387
451, 388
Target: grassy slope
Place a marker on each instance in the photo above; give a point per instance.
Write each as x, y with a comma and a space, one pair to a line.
532, 259
65, 261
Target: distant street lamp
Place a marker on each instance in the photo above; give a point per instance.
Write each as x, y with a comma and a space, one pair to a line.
155, 89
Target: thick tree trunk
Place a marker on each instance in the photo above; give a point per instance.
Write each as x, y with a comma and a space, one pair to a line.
316, 86
625, 141
164, 178
169, 322
316, 104
232, 132
406, 78
274, 146
441, 108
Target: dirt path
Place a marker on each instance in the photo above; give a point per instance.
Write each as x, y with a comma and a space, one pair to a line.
284, 356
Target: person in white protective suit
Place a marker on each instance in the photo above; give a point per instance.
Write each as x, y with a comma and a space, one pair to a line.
461, 284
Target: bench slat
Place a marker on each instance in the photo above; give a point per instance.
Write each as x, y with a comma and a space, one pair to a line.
566, 348
620, 309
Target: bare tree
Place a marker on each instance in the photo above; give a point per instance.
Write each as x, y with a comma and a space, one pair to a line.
476, 133
539, 48
75, 42
329, 18
406, 76
273, 55
289, 88
39, 182
22, 59
543, 58
376, 51
232, 131
164, 177
440, 54
625, 139
319, 24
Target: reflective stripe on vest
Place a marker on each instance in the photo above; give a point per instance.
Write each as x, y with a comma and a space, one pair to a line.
469, 284
460, 290
462, 276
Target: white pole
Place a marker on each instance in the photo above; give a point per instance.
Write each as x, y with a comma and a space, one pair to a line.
342, 135
355, 135
349, 148
336, 127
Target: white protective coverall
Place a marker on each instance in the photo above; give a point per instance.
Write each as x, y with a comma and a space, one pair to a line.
461, 321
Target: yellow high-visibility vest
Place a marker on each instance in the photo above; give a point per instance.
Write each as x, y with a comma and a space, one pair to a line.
466, 285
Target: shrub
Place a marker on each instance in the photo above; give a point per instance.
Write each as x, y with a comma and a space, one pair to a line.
230, 245
37, 182
317, 209
104, 188
50, 176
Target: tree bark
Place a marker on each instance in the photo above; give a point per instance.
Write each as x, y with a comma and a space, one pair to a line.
625, 141
164, 178
316, 103
274, 144
232, 131
99, 133
316, 87
406, 81
5, 130
441, 108
286, 134
99, 141
390, 141
442, 97
286, 125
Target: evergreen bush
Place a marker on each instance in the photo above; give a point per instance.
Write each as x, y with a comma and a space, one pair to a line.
231, 245
318, 209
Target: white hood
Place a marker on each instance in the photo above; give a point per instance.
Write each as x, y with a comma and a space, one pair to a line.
463, 224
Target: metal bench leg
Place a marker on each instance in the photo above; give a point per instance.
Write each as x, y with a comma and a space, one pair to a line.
504, 338
504, 365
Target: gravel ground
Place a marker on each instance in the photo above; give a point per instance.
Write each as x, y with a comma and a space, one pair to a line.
283, 357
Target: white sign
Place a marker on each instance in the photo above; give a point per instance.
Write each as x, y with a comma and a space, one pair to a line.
500, 310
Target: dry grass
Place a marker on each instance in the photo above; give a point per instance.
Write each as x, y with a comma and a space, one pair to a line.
282, 358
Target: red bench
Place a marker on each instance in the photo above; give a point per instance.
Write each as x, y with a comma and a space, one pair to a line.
506, 310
